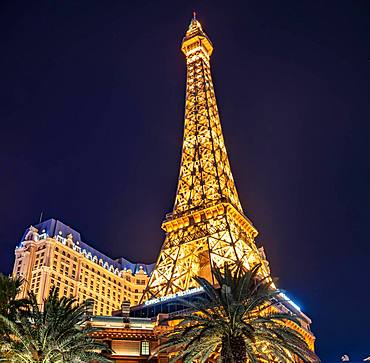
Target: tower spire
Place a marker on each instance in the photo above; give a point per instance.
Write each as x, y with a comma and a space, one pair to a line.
207, 226
205, 173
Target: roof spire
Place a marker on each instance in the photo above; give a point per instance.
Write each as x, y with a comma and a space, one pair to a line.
194, 15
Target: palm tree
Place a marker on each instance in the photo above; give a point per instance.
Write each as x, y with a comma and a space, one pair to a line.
10, 306
240, 321
58, 333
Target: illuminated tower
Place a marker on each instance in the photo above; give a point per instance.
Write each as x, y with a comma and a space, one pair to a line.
207, 226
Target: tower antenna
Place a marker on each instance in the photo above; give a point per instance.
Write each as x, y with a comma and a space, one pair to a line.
41, 215
194, 15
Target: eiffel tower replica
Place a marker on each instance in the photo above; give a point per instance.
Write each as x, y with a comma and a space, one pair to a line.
207, 226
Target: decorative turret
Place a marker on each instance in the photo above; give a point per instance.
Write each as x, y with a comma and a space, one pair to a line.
32, 234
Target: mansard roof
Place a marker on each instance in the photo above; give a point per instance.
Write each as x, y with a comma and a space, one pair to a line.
53, 227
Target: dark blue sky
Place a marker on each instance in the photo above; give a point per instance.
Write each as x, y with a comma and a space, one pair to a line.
91, 110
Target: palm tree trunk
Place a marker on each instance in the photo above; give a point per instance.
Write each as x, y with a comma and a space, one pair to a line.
233, 350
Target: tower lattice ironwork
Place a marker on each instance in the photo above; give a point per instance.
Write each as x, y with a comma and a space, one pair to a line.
207, 226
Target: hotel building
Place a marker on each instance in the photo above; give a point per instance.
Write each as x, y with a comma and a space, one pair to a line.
53, 254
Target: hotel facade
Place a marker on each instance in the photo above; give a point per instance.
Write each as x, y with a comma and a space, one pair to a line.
53, 254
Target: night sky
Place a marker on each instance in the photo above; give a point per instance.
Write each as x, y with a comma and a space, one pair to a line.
91, 111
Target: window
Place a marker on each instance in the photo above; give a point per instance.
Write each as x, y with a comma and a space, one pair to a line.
145, 348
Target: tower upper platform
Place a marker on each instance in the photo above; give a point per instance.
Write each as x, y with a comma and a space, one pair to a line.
196, 39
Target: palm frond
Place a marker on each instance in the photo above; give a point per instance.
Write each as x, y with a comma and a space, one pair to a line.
55, 334
242, 317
